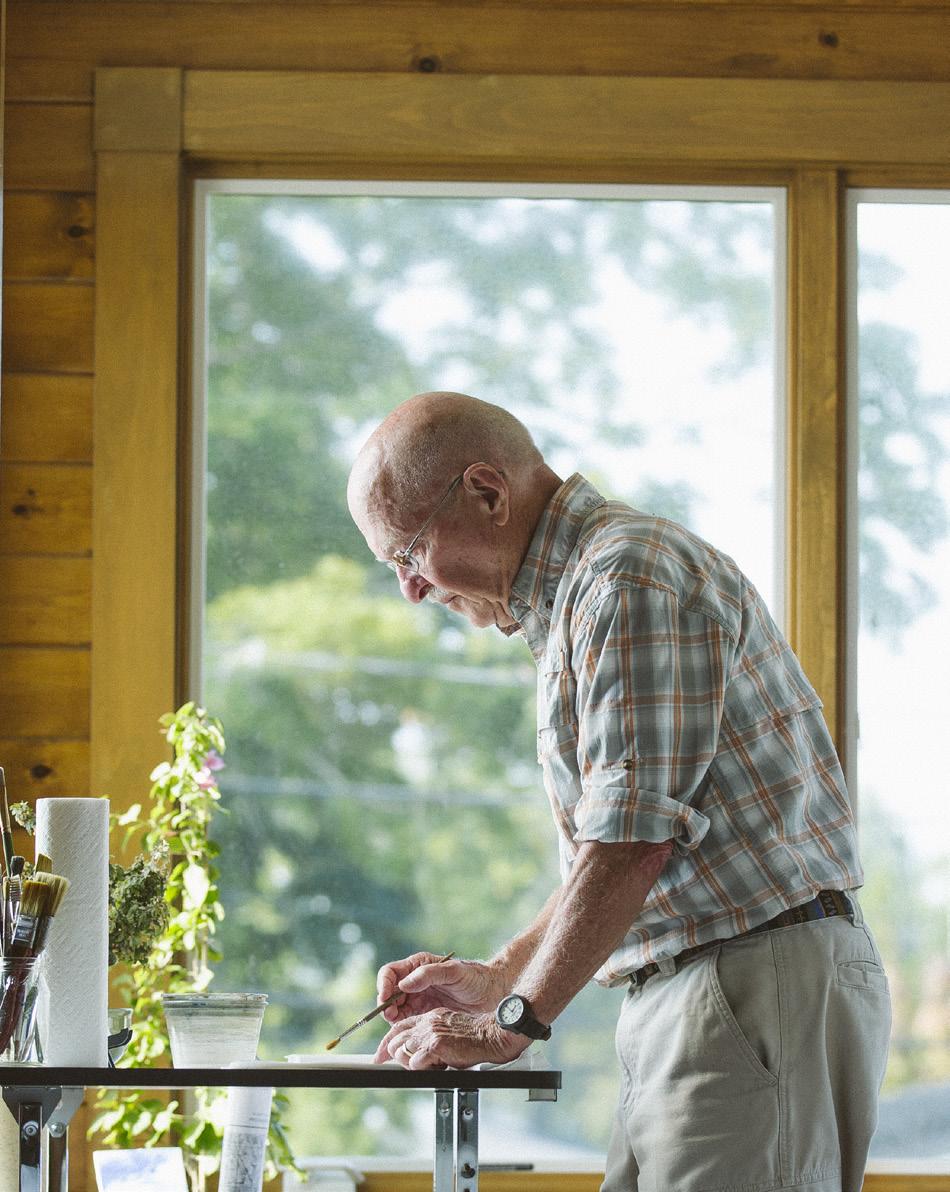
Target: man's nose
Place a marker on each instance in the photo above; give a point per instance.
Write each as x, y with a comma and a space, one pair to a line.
412, 585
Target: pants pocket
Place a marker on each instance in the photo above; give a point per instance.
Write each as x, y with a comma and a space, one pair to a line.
744, 983
862, 974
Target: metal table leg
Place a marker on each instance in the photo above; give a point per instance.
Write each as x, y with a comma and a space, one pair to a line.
444, 1140
58, 1132
466, 1144
31, 1107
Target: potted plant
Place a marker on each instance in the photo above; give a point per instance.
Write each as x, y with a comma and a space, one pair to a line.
163, 911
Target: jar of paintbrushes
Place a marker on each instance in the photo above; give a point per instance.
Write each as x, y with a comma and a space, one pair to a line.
31, 898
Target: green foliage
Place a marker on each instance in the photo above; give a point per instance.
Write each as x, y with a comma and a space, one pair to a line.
381, 779
176, 824
899, 488
138, 912
25, 816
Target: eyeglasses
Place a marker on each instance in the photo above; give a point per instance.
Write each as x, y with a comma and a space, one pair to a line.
404, 558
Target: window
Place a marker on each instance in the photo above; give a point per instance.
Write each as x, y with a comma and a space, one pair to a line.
900, 416
381, 776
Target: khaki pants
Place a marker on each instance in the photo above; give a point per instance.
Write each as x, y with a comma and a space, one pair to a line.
755, 1065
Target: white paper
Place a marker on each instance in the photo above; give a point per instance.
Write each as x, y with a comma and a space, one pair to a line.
321, 1060
532, 1059
75, 833
157, 1169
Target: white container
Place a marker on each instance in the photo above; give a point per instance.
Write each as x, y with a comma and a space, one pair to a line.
245, 1140
206, 1030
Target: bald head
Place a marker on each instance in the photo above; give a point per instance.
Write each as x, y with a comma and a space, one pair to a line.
427, 441
468, 474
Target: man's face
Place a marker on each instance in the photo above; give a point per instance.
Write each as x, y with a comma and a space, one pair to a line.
457, 568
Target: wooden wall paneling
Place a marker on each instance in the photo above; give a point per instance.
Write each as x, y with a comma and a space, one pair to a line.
47, 417
49, 147
885, 1181
45, 508
48, 235
40, 768
729, 40
47, 327
816, 436
46, 600
47, 80
488, 1181
135, 404
45, 692
496, 1181
517, 118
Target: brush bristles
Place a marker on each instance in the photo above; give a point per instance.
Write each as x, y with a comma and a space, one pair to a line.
40, 899
332, 1044
56, 887
34, 897
44, 864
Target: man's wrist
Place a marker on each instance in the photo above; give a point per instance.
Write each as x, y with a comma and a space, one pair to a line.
503, 977
515, 1013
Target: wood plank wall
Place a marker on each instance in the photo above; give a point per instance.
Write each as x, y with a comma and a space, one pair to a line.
53, 48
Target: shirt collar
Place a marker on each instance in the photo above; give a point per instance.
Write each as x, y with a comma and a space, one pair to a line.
535, 586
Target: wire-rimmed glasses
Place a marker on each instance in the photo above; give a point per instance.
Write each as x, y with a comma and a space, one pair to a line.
404, 558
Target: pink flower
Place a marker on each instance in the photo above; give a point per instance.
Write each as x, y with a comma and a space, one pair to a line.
213, 760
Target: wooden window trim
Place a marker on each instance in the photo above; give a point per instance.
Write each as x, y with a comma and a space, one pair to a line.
156, 129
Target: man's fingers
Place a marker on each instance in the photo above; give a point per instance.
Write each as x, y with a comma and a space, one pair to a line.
425, 1057
428, 975
390, 1042
392, 975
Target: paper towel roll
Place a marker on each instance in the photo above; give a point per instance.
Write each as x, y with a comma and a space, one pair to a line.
75, 833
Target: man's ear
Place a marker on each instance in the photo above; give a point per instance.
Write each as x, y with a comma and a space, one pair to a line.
491, 487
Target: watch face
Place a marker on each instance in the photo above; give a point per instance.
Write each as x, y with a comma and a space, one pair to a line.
510, 1010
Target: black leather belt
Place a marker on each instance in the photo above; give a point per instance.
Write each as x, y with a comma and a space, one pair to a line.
825, 905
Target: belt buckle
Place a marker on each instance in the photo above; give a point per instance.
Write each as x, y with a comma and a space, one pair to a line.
640, 976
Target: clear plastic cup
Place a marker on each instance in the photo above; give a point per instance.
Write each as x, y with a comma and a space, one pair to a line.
207, 1030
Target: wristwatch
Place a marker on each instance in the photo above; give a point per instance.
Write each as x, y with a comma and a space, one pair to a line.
514, 1013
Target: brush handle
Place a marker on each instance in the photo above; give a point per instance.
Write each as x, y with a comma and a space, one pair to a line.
391, 1000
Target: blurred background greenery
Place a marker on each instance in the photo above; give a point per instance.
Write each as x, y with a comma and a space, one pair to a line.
381, 783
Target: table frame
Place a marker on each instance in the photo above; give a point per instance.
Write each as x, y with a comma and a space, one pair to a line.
45, 1097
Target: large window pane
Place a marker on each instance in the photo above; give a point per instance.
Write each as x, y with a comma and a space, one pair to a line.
902, 421
381, 779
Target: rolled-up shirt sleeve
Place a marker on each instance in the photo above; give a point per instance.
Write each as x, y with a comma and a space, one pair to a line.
650, 679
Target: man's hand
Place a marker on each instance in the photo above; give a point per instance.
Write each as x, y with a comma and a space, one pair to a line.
449, 1039
452, 984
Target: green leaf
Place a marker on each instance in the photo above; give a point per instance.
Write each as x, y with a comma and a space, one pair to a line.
197, 884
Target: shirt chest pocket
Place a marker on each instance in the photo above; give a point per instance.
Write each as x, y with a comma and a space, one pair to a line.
557, 693
558, 734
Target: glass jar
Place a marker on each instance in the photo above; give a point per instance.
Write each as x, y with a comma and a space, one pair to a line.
206, 1030
18, 996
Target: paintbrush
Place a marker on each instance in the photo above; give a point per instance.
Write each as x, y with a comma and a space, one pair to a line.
34, 897
5, 826
56, 887
391, 1000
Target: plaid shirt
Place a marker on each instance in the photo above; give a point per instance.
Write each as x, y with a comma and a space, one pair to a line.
670, 706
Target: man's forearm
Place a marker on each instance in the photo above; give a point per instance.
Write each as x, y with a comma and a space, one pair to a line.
605, 893
516, 955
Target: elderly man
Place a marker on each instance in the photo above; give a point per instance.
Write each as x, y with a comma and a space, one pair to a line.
707, 842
